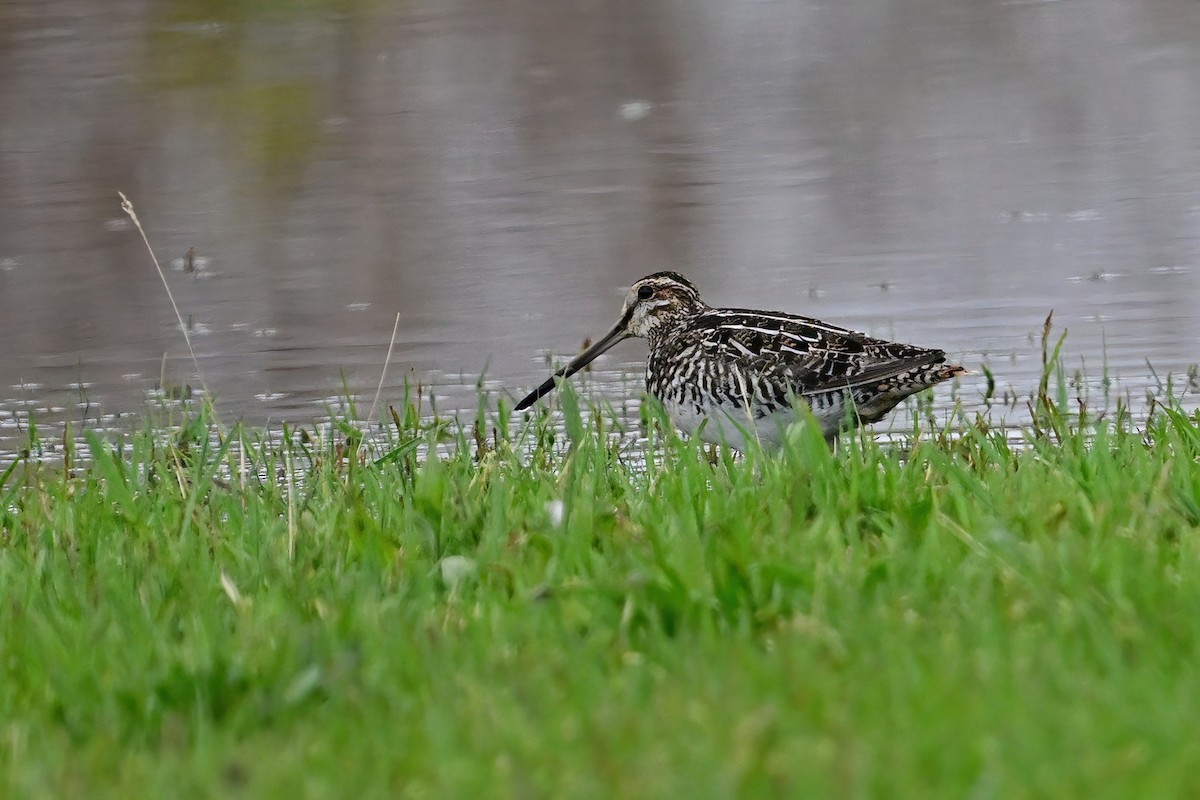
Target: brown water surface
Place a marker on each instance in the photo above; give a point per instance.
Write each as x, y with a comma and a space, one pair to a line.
496, 171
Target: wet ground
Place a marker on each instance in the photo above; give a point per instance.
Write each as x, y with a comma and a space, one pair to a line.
496, 171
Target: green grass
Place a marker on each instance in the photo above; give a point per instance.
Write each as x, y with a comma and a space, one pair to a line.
953, 617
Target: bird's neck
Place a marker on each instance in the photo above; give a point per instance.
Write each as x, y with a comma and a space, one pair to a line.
670, 327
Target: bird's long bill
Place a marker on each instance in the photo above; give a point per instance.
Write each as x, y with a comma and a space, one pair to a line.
580, 361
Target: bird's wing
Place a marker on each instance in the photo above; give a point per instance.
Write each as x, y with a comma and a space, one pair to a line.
805, 355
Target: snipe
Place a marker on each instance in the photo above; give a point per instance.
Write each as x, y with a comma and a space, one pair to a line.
729, 373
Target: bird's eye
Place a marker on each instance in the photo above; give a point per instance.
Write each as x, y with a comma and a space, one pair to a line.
645, 292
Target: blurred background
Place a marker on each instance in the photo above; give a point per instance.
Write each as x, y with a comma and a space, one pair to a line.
496, 172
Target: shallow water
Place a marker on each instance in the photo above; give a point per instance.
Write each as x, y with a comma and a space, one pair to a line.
496, 171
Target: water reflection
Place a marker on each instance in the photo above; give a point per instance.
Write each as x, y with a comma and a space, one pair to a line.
497, 170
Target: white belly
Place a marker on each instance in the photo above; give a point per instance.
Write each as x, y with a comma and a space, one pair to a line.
718, 424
